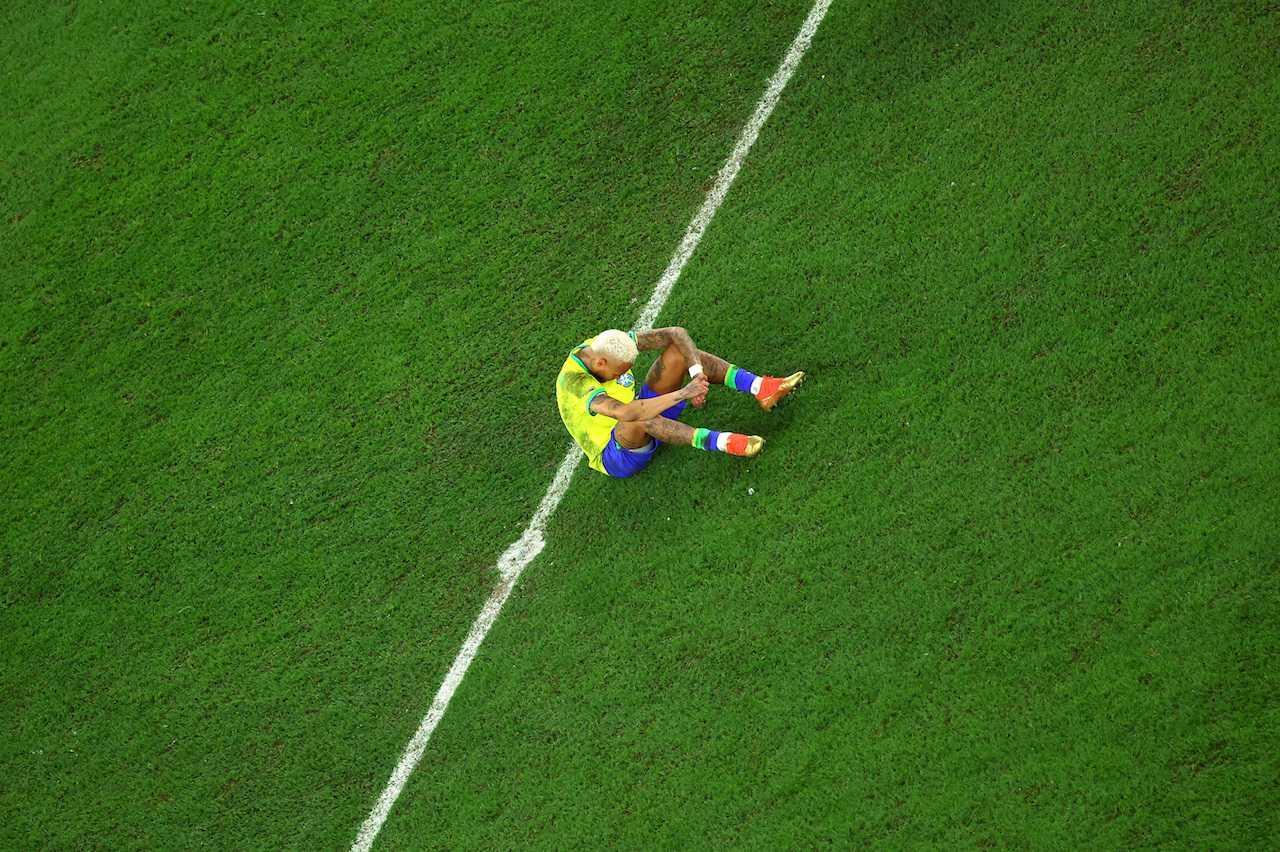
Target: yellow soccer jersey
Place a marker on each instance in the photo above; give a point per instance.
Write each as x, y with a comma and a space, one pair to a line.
575, 389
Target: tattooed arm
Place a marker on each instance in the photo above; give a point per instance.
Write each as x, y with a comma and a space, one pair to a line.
661, 338
646, 409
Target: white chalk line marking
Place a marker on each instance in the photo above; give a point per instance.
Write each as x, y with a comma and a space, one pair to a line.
516, 557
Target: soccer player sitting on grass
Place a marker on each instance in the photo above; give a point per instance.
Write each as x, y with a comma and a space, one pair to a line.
621, 431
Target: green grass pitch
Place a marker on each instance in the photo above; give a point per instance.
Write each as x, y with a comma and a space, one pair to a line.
286, 289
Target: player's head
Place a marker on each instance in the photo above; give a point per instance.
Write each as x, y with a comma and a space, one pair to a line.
613, 352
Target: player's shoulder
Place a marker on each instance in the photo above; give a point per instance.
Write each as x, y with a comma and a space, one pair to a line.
573, 359
574, 376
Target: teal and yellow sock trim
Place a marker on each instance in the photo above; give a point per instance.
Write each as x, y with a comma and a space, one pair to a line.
700, 438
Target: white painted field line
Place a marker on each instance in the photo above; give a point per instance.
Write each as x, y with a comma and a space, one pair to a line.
729, 170
530, 544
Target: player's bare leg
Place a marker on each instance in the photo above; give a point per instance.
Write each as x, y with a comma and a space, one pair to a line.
632, 434
670, 431
635, 435
669, 370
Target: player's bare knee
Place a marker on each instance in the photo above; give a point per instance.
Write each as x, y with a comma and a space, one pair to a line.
674, 359
632, 433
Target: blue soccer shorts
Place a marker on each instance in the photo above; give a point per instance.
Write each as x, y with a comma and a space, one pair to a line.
621, 462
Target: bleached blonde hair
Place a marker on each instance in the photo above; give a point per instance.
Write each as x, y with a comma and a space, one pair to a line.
615, 344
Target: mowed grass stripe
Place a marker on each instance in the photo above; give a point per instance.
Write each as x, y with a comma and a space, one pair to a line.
1007, 576
274, 414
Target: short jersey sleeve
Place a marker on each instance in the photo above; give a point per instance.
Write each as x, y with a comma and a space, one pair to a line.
577, 390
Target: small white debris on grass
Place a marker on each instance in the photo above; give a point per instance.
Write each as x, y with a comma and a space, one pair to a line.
750, 491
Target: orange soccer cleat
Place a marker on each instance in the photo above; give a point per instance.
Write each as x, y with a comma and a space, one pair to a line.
737, 444
773, 391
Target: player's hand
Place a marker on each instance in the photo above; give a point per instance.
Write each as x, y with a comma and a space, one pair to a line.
696, 388
700, 400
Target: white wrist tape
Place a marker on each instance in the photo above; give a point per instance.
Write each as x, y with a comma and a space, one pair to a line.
695, 371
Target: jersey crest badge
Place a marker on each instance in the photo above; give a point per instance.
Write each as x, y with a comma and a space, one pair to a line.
626, 379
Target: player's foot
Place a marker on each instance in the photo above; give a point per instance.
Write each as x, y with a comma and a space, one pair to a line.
773, 390
733, 443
